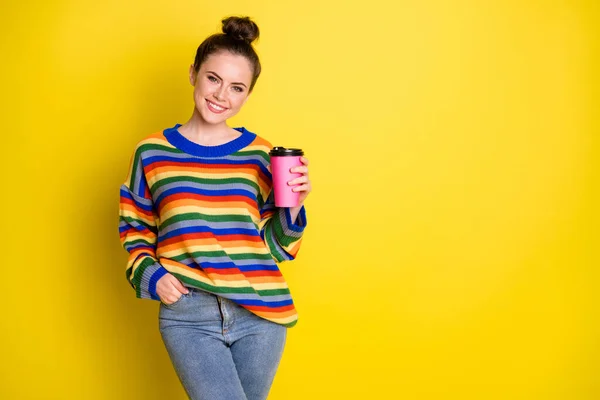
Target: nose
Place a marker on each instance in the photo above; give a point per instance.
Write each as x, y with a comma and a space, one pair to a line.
219, 93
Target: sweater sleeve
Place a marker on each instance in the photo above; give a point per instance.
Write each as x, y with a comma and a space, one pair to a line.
138, 231
281, 235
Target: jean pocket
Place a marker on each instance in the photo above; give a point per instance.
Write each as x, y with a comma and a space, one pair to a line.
178, 301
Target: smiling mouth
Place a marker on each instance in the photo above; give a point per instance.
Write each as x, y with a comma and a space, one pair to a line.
217, 109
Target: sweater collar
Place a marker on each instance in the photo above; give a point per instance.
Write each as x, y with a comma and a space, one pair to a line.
179, 141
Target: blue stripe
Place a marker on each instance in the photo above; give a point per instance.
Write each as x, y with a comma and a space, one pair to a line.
127, 195
128, 227
192, 161
264, 303
140, 246
143, 184
201, 229
243, 268
159, 273
256, 267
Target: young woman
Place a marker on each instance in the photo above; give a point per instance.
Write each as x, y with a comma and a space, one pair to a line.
204, 237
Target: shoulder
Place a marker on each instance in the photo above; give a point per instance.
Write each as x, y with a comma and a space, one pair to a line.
152, 141
260, 144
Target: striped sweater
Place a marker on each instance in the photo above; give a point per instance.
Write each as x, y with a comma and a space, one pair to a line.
206, 215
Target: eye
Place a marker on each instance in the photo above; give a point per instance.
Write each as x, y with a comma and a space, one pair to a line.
238, 89
212, 78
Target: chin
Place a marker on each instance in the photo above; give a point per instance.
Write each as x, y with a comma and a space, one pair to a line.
213, 119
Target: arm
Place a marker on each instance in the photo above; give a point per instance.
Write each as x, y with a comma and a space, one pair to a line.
294, 211
138, 231
280, 232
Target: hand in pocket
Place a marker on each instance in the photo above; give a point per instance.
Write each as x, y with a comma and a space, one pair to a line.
170, 289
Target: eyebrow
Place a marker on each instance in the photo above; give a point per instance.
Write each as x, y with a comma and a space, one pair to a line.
234, 83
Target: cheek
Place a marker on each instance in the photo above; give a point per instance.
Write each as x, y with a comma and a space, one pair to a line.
237, 101
201, 90
197, 93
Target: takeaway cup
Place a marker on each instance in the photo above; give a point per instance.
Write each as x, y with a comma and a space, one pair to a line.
282, 160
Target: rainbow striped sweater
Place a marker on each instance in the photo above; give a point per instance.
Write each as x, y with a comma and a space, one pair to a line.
206, 215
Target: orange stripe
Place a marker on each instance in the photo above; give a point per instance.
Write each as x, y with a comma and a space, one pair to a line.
194, 242
128, 205
162, 167
182, 202
286, 311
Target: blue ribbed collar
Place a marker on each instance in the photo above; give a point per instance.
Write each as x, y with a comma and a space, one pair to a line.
184, 144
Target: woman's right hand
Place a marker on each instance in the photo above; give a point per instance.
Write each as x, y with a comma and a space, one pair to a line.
170, 289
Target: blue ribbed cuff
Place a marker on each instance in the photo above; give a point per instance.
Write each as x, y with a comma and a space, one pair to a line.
290, 228
150, 277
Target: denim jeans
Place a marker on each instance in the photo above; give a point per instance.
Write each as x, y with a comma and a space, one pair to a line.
219, 349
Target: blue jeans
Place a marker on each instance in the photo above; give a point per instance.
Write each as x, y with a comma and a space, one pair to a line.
219, 349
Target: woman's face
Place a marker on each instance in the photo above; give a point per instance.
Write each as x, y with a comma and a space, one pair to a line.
221, 86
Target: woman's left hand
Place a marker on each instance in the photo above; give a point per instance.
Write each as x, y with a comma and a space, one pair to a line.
305, 186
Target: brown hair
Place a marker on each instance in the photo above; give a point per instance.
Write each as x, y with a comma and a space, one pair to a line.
237, 37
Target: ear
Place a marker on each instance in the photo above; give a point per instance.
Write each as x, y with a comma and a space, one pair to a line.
192, 75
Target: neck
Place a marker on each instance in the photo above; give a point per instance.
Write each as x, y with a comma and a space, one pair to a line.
198, 130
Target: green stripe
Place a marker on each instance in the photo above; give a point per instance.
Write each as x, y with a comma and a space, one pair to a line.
159, 147
272, 247
225, 289
205, 217
259, 153
241, 256
139, 221
138, 241
137, 279
211, 288
282, 238
136, 160
273, 292
205, 181
250, 256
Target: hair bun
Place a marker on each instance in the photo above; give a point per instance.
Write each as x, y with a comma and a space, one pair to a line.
241, 28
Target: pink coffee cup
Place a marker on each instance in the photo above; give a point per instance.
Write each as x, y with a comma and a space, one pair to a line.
282, 160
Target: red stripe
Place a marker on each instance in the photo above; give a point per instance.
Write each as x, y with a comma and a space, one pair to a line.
187, 164
236, 271
134, 204
223, 271
262, 273
270, 309
129, 230
205, 235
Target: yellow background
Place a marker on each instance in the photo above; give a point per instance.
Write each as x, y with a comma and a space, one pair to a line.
451, 251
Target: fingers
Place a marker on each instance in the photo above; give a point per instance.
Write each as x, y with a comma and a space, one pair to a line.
303, 170
170, 289
170, 299
296, 181
179, 286
303, 181
301, 188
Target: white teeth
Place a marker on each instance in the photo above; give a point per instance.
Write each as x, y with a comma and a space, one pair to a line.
216, 107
